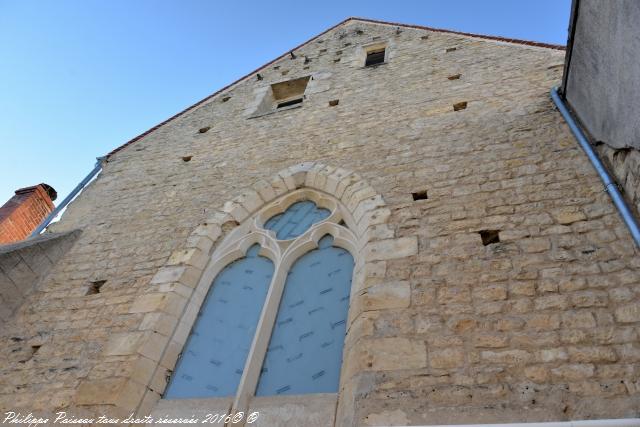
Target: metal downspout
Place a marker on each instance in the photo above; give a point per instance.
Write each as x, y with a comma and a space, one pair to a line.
609, 184
68, 199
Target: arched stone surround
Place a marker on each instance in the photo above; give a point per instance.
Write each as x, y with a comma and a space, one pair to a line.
178, 289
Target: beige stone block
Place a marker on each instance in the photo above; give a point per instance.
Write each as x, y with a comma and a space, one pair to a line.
250, 200
558, 302
488, 340
352, 189
346, 183
543, 322
310, 410
184, 274
279, 186
453, 295
537, 374
149, 402
367, 193
171, 354
507, 357
159, 380
299, 172
236, 210
568, 215
99, 392
334, 179
362, 326
288, 179
462, 324
130, 396
391, 249
143, 370
182, 332
573, 372
265, 190
374, 217
202, 243
385, 354
552, 355
170, 303
628, 313
218, 218
189, 256
160, 322
122, 344
212, 231
153, 346
148, 302
590, 299
493, 292
534, 245
312, 174
446, 358
386, 295
578, 320
592, 354
367, 205
175, 288
378, 232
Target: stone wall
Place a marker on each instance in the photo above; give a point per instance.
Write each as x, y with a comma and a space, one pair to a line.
24, 264
540, 325
624, 164
602, 83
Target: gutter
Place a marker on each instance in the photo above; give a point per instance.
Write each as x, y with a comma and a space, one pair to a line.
609, 184
97, 168
623, 422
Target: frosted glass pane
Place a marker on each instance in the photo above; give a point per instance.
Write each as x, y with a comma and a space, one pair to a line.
305, 351
296, 219
214, 356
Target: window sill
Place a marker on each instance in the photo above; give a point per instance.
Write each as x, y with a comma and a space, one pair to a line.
309, 410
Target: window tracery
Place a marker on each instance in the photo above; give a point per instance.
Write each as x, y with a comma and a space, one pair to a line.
302, 247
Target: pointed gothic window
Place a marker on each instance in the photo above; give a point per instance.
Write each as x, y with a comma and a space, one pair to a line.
214, 356
274, 320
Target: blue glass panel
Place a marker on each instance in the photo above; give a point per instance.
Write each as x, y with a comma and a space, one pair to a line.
305, 351
214, 356
296, 219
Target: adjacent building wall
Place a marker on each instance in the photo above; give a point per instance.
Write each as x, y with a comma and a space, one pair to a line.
24, 264
602, 84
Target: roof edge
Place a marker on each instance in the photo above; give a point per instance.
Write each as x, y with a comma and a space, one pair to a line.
352, 18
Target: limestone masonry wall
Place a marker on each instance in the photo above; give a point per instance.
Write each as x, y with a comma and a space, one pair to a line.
541, 325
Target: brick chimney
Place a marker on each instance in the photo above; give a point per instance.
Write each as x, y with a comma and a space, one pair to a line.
25, 211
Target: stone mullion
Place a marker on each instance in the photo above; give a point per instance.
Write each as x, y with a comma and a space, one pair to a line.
262, 336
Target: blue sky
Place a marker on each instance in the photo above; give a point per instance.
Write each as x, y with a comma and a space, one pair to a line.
79, 78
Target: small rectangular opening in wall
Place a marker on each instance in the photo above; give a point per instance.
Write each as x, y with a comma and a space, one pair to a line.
460, 106
34, 350
420, 195
290, 103
290, 88
94, 287
334, 102
489, 236
374, 57
451, 49
454, 77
